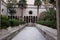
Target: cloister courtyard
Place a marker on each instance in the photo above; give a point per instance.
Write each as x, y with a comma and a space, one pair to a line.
29, 20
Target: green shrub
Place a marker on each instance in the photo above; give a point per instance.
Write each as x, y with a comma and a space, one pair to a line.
40, 22
22, 22
0, 20
4, 22
51, 23
14, 22
48, 23
49, 18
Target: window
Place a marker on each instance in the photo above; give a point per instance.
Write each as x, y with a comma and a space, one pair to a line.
2, 10
30, 12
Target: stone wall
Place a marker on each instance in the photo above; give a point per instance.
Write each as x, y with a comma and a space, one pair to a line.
11, 32
3, 8
48, 33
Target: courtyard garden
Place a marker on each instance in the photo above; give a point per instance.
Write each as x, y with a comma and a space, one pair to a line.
48, 18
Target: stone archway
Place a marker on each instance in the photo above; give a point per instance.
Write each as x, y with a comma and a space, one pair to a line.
29, 19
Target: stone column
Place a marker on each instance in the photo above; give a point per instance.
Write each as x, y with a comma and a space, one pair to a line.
58, 18
0, 13
0, 6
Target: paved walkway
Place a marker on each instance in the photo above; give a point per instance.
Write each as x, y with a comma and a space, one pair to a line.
29, 33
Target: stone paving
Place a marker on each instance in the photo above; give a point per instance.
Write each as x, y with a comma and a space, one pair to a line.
29, 33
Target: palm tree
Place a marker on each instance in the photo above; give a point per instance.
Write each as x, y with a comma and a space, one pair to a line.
11, 9
45, 2
37, 3
22, 5
53, 2
14, 2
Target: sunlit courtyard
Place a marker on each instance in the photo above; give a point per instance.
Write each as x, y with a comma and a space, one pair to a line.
29, 20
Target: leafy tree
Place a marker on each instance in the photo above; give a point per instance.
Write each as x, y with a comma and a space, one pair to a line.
42, 14
48, 18
45, 2
51, 14
11, 9
53, 2
4, 22
37, 3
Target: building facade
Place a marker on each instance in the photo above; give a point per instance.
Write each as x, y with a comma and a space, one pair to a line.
29, 13
3, 8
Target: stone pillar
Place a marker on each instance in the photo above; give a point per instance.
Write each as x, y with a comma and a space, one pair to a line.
58, 18
0, 6
0, 13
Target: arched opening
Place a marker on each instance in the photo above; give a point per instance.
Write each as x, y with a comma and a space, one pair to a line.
29, 19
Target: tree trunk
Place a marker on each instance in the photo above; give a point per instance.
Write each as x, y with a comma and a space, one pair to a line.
37, 12
11, 21
46, 7
0, 13
22, 14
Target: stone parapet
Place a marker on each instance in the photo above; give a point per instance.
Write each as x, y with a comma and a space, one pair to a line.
48, 33
12, 33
